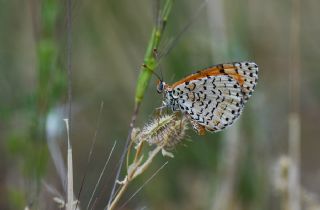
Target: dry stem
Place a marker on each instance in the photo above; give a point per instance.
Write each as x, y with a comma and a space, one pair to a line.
134, 170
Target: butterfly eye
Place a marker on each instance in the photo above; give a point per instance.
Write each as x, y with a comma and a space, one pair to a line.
160, 86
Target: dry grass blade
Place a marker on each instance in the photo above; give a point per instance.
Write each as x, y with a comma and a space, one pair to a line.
70, 194
91, 149
54, 120
123, 155
164, 132
144, 184
101, 174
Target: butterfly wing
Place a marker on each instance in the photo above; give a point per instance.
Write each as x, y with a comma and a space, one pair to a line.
214, 102
246, 73
215, 97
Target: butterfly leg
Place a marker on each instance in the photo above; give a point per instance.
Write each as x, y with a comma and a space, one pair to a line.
161, 108
201, 130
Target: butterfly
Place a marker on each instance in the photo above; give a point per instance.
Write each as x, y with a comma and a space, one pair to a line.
212, 98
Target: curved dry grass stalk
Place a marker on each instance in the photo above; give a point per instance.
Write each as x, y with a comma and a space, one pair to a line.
163, 133
143, 185
101, 174
71, 203
134, 170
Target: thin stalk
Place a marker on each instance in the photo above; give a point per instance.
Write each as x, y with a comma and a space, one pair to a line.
143, 81
119, 195
69, 65
133, 119
91, 151
294, 122
70, 196
144, 184
149, 58
137, 169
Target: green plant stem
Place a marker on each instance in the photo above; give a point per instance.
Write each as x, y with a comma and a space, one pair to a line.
149, 58
143, 82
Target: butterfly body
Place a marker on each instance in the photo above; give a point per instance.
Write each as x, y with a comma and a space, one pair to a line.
212, 98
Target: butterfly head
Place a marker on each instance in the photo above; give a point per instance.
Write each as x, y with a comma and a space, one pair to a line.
161, 85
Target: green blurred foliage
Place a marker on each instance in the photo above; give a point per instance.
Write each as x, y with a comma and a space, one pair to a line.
28, 146
17, 199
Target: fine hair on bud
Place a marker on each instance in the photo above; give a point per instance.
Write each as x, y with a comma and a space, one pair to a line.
166, 131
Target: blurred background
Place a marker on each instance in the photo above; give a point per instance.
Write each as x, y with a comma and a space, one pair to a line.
269, 159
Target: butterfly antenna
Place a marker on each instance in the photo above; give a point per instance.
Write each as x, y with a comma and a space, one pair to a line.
174, 41
157, 57
152, 71
160, 69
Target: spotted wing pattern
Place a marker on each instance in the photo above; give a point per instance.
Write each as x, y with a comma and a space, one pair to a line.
248, 71
215, 97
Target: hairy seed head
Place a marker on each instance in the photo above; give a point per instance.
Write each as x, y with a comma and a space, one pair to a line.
166, 131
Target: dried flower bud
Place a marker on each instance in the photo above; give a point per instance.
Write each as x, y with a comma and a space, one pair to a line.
281, 173
166, 131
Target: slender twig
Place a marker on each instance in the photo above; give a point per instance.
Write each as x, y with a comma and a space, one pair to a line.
139, 170
133, 119
144, 184
135, 169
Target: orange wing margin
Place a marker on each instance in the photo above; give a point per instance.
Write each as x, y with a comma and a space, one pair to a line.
221, 69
